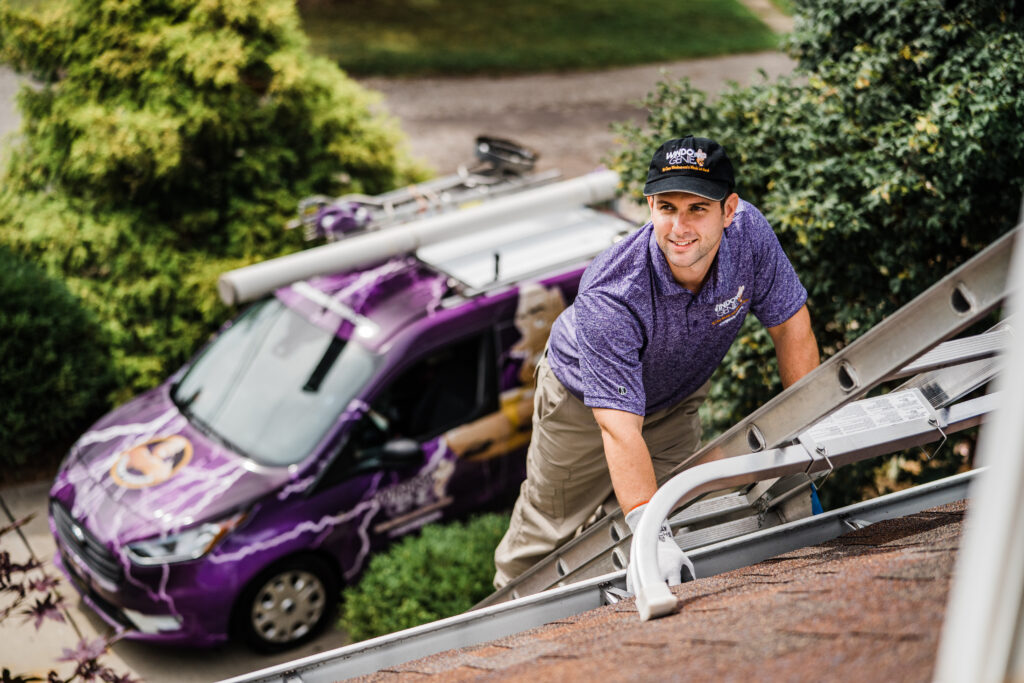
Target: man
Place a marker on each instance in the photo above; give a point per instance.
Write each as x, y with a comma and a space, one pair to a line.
628, 363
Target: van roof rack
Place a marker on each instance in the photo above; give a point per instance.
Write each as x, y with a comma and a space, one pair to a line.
524, 249
502, 167
525, 225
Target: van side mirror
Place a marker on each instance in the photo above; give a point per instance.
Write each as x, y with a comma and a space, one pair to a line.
401, 453
396, 454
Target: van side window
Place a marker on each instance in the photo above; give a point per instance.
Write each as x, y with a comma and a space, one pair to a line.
441, 391
450, 386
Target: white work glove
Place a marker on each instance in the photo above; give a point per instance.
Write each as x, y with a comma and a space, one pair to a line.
673, 564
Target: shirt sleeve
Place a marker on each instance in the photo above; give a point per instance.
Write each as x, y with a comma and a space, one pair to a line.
610, 340
778, 293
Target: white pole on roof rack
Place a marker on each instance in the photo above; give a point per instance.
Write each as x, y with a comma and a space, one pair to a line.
983, 632
252, 282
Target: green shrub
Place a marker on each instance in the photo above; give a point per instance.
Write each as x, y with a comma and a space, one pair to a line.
441, 572
170, 140
892, 155
54, 367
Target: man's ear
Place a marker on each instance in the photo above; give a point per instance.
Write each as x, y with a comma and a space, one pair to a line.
650, 202
731, 202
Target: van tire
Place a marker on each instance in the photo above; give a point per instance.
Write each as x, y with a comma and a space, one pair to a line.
287, 604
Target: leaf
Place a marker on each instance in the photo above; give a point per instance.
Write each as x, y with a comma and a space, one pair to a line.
8, 677
45, 608
17, 523
44, 583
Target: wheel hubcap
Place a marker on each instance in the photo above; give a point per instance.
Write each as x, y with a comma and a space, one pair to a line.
288, 606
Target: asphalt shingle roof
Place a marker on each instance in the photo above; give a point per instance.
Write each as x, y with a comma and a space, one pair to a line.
865, 606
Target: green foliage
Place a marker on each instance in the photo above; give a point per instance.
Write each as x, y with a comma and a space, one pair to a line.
892, 155
54, 368
170, 141
472, 36
441, 572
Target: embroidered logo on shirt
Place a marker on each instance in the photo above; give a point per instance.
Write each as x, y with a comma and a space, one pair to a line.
622, 391
728, 309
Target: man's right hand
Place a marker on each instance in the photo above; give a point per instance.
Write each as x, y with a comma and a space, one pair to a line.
673, 564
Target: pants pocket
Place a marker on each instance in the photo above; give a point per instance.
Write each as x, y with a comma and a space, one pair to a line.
547, 485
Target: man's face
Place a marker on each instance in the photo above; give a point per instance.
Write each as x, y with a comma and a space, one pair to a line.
688, 229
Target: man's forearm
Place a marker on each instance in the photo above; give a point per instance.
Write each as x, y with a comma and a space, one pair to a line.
795, 347
629, 461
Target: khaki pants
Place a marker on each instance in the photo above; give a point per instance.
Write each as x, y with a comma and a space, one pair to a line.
566, 472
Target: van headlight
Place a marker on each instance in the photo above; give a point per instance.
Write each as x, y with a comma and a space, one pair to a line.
189, 544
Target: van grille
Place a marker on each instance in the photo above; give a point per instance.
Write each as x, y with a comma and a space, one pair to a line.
82, 543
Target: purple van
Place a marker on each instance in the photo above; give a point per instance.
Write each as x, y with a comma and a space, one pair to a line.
331, 417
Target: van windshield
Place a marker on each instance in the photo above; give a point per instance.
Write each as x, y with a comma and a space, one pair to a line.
272, 384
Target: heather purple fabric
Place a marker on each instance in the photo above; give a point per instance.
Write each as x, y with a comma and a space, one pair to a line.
637, 340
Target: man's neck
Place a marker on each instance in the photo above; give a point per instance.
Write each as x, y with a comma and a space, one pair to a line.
692, 278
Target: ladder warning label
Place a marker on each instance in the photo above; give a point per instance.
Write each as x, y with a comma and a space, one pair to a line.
861, 416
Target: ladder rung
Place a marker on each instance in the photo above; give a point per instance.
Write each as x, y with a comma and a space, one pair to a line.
688, 540
709, 508
958, 351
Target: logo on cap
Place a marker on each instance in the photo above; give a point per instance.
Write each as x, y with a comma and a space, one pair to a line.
686, 155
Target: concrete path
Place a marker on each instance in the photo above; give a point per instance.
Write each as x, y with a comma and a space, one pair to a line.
566, 117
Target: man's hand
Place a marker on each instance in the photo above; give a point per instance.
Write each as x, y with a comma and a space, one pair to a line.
673, 564
795, 347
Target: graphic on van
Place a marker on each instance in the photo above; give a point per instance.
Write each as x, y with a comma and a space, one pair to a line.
417, 501
536, 312
508, 429
151, 463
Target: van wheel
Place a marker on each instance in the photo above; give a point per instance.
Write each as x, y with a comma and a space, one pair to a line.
287, 604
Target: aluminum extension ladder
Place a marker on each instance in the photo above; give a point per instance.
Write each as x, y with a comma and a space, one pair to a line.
906, 343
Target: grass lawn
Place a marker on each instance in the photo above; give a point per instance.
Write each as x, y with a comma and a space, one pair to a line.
422, 37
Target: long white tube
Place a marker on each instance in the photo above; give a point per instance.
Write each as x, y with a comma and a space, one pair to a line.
252, 282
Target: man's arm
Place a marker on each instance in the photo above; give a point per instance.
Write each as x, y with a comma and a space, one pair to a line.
795, 347
629, 461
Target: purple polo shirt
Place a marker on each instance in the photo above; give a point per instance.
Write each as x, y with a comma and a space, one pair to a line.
637, 340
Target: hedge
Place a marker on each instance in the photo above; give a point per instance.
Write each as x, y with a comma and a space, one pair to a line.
438, 573
54, 365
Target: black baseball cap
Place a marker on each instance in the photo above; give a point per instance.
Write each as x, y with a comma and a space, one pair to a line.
696, 165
